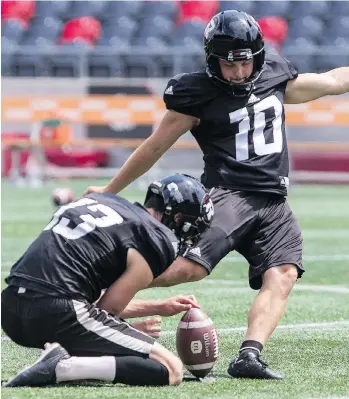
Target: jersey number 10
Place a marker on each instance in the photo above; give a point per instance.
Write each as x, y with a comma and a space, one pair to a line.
244, 119
60, 224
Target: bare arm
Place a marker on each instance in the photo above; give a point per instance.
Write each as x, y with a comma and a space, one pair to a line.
137, 276
181, 271
310, 86
172, 126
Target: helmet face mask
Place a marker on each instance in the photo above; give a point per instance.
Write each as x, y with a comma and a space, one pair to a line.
234, 36
188, 208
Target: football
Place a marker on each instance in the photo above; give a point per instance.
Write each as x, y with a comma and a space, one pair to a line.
62, 196
197, 342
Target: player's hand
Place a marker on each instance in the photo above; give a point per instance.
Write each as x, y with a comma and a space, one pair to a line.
151, 326
178, 304
95, 189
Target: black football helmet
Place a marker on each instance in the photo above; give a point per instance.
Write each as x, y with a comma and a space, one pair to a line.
234, 36
188, 208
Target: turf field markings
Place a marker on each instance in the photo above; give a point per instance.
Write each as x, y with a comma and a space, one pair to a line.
321, 326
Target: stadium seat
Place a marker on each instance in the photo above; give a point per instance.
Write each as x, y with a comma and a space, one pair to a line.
71, 63
30, 65
247, 6
48, 27
194, 28
300, 52
117, 9
55, 9
320, 9
167, 9
201, 10
124, 27
145, 65
271, 8
13, 28
274, 29
338, 27
308, 27
86, 28
103, 65
23, 10
95, 9
339, 8
157, 25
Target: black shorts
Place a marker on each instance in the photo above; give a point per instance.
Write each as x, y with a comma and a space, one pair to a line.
81, 328
260, 226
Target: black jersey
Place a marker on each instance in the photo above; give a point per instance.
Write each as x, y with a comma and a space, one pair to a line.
84, 248
243, 139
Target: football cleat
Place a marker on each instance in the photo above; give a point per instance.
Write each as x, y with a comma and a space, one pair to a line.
249, 365
43, 371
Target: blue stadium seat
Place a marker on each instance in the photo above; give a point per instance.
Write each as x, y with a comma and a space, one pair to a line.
95, 9
70, 64
29, 64
339, 8
8, 48
300, 53
145, 65
247, 6
56, 9
104, 65
117, 9
338, 27
12, 29
48, 27
167, 9
320, 9
193, 28
157, 25
308, 27
274, 8
124, 27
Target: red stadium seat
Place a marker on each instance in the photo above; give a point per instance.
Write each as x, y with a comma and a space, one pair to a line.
83, 28
203, 10
274, 30
23, 10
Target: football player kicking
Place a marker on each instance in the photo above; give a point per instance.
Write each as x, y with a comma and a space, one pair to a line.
235, 110
97, 242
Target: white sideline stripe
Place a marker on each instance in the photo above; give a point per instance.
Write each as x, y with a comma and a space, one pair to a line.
284, 327
233, 259
306, 258
298, 287
202, 366
329, 325
108, 333
195, 324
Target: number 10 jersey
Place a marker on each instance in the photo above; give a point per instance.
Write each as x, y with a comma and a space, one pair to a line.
243, 139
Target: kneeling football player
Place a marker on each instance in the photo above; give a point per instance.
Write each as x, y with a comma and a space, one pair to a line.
97, 242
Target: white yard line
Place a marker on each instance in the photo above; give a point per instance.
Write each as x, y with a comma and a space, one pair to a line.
283, 327
306, 258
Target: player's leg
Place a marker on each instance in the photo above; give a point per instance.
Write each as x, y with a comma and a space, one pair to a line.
102, 347
275, 264
234, 217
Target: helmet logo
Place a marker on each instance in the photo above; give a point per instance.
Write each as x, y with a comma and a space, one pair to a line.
208, 208
240, 55
211, 26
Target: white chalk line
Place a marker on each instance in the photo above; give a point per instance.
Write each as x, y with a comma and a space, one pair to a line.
235, 259
321, 326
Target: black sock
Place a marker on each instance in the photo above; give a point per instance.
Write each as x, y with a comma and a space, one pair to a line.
134, 370
252, 345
